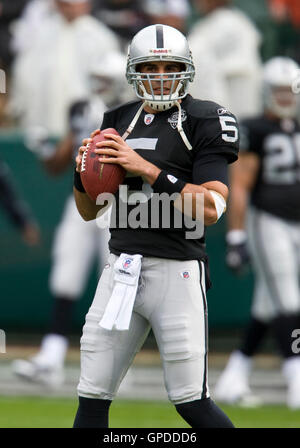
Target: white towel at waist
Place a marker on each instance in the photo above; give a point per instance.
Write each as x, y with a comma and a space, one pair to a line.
119, 308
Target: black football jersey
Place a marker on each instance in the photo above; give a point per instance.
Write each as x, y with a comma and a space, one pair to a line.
213, 133
277, 144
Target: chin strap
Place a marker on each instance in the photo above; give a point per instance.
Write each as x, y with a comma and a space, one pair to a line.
133, 123
179, 125
180, 129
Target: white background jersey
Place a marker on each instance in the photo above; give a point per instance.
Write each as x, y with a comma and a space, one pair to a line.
52, 74
225, 49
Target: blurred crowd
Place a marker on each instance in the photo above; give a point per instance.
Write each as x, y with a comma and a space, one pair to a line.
48, 48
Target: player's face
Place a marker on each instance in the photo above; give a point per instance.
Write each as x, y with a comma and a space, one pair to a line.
283, 96
157, 68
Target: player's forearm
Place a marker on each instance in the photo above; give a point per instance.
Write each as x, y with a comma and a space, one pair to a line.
195, 201
150, 173
87, 208
201, 200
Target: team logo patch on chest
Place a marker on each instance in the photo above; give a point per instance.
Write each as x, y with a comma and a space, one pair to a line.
148, 118
173, 119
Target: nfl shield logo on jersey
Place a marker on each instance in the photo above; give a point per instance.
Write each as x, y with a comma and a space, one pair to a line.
185, 275
148, 118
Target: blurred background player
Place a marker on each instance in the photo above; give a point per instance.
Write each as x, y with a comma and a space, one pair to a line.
124, 17
70, 37
226, 50
9, 12
174, 13
16, 208
268, 173
76, 242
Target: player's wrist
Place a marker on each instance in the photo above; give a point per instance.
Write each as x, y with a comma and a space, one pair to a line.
150, 173
236, 236
77, 182
167, 183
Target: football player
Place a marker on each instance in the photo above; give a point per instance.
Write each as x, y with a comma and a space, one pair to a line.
268, 174
72, 262
172, 145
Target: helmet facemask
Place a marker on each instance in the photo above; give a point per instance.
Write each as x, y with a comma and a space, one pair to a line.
281, 101
153, 44
177, 84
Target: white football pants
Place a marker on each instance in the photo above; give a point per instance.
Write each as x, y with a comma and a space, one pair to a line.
171, 300
275, 250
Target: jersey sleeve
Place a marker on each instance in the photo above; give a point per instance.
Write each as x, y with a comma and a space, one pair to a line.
216, 131
210, 167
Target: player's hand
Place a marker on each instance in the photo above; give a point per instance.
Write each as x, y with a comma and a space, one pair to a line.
82, 148
115, 150
237, 258
80, 153
96, 132
237, 255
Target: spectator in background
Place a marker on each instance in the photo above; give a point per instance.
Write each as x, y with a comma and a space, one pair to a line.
169, 12
226, 51
285, 9
34, 15
52, 73
10, 10
16, 208
286, 15
124, 17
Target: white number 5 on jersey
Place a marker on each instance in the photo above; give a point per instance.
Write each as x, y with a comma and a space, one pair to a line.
230, 131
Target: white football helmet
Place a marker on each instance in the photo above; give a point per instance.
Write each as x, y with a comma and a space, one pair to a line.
159, 43
279, 73
106, 78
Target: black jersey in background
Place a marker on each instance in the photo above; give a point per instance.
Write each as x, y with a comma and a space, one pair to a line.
277, 144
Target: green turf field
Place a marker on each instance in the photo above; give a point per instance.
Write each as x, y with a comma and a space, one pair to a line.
32, 412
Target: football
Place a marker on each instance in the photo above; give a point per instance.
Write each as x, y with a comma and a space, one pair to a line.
97, 177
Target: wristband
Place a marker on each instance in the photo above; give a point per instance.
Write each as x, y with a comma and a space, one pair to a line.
167, 183
77, 182
220, 203
236, 236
